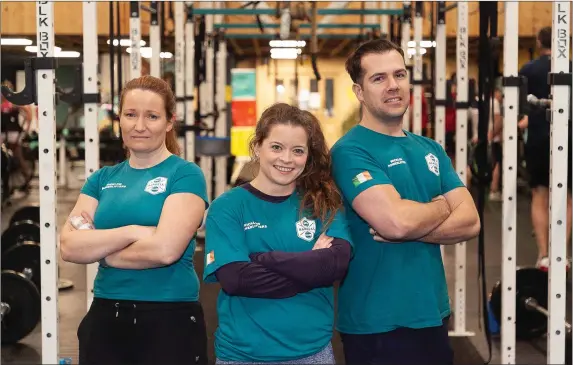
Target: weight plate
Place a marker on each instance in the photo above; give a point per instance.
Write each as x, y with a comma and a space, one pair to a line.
25, 307
28, 213
530, 282
22, 231
24, 255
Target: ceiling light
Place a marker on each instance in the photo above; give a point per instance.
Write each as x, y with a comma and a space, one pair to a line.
15, 42
286, 43
34, 49
126, 42
285, 53
147, 52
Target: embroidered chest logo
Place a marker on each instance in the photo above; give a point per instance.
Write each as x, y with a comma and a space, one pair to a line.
305, 229
433, 164
156, 186
252, 225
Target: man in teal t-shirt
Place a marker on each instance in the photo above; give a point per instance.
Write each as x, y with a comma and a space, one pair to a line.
403, 199
277, 299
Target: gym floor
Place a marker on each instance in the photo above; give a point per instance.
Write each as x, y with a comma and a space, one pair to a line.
468, 350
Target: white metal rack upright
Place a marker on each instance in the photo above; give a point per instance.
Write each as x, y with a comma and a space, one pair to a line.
46, 90
509, 231
462, 57
135, 37
91, 131
180, 66
155, 41
418, 68
560, 48
189, 82
406, 27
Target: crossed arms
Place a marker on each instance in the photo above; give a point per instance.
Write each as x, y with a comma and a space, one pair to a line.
278, 274
134, 246
447, 219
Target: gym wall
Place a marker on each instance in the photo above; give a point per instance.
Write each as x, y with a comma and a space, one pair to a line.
18, 17
345, 104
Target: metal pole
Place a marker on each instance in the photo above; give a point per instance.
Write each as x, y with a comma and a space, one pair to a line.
45, 83
461, 162
155, 41
189, 82
509, 236
135, 37
406, 24
560, 48
418, 67
91, 135
180, 67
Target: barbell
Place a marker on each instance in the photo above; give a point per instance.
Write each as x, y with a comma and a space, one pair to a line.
531, 314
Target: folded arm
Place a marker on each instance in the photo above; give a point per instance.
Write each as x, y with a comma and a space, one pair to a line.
314, 268
181, 216
463, 223
89, 246
398, 219
253, 280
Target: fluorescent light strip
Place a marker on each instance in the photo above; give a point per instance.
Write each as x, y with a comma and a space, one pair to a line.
34, 49
285, 53
286, 43
57, 52
424, 44
147, 52
15, 42
126, 42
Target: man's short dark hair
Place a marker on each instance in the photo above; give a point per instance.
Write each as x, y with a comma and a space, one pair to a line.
354, 62
544, 37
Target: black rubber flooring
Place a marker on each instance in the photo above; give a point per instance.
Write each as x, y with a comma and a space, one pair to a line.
468, 350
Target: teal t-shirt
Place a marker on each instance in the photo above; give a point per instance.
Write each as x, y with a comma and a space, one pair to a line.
391, 285
259, 329
129, 196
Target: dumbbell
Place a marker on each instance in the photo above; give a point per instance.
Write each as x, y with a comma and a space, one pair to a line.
20, 308
531, 314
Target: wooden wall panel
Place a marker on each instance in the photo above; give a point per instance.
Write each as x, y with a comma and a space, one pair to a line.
18, 18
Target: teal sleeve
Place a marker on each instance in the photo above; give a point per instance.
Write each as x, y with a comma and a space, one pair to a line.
449, 176
92, 185
354, 171
338, 228
189, 178
224, 238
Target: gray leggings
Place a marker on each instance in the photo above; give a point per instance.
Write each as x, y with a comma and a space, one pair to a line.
325, 356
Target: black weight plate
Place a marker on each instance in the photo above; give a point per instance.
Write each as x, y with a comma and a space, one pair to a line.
28, 213
22, 231
21, 256
25, 307
530, 282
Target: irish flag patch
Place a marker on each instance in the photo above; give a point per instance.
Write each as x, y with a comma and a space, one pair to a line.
361, 177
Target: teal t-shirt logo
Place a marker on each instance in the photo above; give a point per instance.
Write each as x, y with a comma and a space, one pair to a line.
305, 229
156, 186
433, 164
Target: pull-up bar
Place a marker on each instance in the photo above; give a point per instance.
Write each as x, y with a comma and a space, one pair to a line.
238, 11
303, 25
